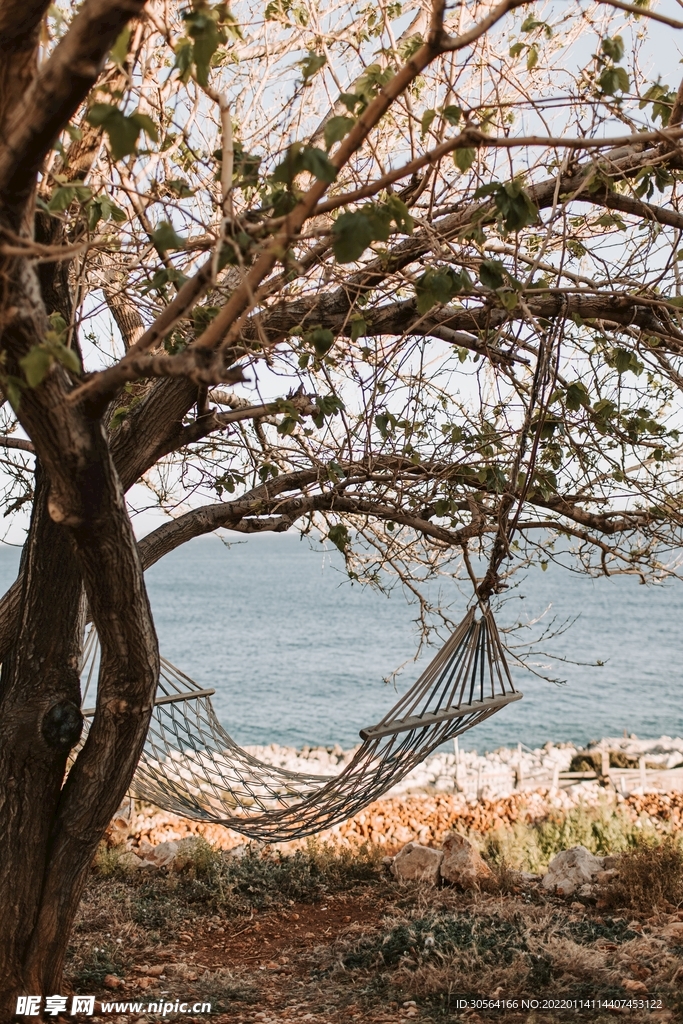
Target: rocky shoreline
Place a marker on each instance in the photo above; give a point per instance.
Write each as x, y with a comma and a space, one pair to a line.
436, 799
500, 772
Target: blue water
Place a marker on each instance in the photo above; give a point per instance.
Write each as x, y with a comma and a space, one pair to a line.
298, 655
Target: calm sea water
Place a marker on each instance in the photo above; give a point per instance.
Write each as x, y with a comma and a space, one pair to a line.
298, 656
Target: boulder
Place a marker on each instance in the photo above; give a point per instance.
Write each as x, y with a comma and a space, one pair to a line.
130, 861
417, 863
462, 863
572, 869
174, 854
163, 855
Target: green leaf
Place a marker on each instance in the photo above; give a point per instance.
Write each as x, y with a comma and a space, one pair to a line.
339, 535
512, 202
613, 48
145, 124
184, 51
463, 158
202, 316
36, 364
67, 357
508, 299
622, 359
491, 188
102, 208
287, 425
427, 119
439, 285
410, 46
207, 27
277, 10
321, 339
118, 416
206, 39
532, 57
179, 187
123, 131
166, 237
516, 49
358, 327
351, 101
119, 50
64, 195
162, 278
577, 396
311, 65
13, 388
58, 326
317, 162
304, 158
609, 220
336, 129
452, 114
399, 214
492, 274
352, 233
614, 80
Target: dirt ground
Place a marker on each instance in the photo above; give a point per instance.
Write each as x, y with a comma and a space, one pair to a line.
330, 938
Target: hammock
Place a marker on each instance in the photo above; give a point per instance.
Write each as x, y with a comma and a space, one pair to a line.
192, 767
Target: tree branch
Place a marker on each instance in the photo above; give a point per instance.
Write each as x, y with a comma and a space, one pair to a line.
60, 87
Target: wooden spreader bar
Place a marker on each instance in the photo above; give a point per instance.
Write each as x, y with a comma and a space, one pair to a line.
420, 721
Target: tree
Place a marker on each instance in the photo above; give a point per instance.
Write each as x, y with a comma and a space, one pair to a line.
445, 246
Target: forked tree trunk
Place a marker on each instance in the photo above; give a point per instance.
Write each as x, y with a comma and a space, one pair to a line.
80, 542
50, 825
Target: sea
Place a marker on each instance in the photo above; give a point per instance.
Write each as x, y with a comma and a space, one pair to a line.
300, 656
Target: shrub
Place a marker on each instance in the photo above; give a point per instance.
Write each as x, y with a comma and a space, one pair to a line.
650, 877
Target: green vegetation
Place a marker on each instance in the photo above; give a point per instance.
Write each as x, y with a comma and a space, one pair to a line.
602, 829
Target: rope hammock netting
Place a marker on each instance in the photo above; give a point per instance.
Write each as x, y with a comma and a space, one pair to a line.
190, 765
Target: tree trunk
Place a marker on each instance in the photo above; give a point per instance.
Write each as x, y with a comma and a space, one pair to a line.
39, 723
81, 541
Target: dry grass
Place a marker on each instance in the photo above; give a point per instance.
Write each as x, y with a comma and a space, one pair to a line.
443, 946
602, 829
333, 934
650, 878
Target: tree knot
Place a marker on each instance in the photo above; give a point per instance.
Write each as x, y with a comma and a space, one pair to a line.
62, 725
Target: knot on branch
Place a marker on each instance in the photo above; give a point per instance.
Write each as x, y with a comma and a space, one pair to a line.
62, 725
490, 585
60, 514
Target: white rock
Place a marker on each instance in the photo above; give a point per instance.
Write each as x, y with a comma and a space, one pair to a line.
417, 863
462, 863
131, 862
571, 869
163, 855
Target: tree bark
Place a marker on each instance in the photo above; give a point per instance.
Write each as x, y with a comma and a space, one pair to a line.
81, 539
40, 690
